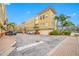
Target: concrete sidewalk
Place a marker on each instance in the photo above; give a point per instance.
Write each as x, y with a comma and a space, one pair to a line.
6, 44
69, 47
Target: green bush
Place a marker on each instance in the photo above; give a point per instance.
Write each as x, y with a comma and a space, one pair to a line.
57, 32
54, 32
66, 32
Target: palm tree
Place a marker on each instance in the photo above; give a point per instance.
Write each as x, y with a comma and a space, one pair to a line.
68, 23
1, 29
77, 28
1, 25
56, 20
10, 26
63, 18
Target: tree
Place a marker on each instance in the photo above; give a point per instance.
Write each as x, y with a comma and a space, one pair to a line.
67, 23
63, 18
77, 28
10, 26
56, 20
70, 25
1, 26
1, 29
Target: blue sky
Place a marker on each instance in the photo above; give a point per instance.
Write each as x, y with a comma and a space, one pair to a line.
20, 12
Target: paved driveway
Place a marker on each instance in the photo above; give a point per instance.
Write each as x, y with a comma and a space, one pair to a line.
6, 43
69, 47
35, 45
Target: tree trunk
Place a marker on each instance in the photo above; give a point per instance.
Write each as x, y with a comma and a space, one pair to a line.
61, 25
0, 33
56, 24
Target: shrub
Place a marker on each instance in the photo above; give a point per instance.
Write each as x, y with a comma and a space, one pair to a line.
57, 32
54, 32
66, 32
61, 33
36, 32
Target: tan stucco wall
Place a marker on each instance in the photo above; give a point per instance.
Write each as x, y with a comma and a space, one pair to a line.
44, 32
2, 13
49, 21
30, 23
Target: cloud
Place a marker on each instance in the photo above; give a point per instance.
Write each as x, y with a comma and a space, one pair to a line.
74, 14
7, 3
28, 12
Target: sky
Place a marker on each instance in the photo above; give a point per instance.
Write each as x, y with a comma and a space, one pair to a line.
21, 12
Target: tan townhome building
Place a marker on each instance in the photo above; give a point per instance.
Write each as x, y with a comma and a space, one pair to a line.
2, 18
43, 21
2, 13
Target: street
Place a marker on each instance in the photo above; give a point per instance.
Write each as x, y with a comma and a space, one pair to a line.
39, 45
35, 45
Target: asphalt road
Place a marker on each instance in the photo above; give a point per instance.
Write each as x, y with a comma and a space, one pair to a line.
35, 45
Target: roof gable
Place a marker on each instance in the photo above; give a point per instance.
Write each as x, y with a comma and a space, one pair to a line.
49, 8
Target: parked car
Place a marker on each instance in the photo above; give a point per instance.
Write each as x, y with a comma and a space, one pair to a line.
11, 32
29, 32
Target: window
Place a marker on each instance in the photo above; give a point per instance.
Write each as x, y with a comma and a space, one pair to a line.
43, 17
40, 17
46, 16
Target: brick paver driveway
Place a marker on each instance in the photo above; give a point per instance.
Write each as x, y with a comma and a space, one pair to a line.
6, 43
39, 45
69, 47
35, 45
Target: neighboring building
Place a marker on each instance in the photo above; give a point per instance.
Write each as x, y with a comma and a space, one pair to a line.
2, 19
2, 13
43, 20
